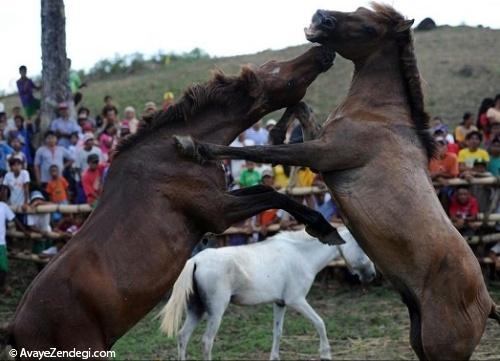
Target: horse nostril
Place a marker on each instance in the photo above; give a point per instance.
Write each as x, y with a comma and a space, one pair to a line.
322, 18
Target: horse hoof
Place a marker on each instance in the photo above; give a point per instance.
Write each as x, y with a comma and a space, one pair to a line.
333, 238
186, 146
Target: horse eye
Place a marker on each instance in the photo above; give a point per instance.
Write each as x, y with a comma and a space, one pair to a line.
290, 83
369, 30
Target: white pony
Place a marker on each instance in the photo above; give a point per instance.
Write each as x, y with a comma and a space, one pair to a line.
280, 269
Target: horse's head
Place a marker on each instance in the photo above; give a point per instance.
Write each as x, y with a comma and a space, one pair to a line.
356, 259
355, 35
284, 83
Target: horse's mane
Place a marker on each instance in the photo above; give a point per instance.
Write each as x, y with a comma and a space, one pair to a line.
220, 90
411, 75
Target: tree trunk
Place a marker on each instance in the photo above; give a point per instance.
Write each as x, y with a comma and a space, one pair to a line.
55, 76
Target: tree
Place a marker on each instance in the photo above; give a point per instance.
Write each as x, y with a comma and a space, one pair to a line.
55, 77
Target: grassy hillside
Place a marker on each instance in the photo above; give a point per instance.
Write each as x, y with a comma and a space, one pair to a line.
460, 66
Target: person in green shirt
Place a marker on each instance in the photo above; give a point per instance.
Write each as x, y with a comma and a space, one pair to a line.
75, 84
494, 164
249, 177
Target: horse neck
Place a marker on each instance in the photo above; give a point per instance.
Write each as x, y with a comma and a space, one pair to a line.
318, 254
220, 126
378, 86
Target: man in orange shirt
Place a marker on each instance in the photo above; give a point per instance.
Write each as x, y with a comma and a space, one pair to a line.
445, 164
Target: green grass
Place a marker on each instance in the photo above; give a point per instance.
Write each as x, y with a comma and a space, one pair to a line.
361, 323
459, 66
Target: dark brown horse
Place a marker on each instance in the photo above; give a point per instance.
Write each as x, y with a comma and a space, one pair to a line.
373, 153
155, 208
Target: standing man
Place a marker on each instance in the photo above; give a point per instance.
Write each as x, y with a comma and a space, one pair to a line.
64, 126
48, 155
25, 87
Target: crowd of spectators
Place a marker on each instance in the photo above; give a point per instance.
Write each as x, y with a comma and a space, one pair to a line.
71, 164
68, 166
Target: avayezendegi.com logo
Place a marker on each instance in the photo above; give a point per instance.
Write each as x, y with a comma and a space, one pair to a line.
55, 353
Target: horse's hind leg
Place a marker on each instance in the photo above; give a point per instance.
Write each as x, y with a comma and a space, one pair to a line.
278, 315
213, 324
194, 315
307, 311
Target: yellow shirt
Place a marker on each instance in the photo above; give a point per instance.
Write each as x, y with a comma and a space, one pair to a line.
305, 177
468, 157
280, 177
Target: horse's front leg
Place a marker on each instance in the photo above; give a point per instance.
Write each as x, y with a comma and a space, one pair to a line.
242, 204
301, 111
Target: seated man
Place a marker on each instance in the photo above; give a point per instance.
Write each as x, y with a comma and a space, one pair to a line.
464, 210
467, 156
445, 164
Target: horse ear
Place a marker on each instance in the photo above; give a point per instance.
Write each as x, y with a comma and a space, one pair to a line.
252, 82
404, 25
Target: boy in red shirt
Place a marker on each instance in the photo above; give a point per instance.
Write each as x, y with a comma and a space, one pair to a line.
464, 210
92, 179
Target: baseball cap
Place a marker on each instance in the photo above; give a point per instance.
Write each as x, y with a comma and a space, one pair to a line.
36, 195
267, 173
87, 137
271, 122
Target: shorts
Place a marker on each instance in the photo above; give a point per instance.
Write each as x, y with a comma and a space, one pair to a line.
32, 108
4, 262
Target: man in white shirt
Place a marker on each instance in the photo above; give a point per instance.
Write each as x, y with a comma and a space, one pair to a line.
89, 148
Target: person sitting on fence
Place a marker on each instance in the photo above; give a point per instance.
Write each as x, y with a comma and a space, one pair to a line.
57, 189
270, 216
17, 144
465, 127
467, 156
39, 222
6, 215
464, 210
494, 152
92, 179
249, 176
18, 181
445, 163
50, 154
64, 126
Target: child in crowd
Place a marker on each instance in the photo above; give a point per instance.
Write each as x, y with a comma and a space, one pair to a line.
464, 210
92, 179
57, 187
494, 151
464, 128
467, 156
249, 176
17, 144
107, 140
39, 222
18, 181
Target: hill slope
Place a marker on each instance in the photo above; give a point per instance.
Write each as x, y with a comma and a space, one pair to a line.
459, 65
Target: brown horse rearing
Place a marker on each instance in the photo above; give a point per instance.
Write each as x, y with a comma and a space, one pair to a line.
373, 152
155, 208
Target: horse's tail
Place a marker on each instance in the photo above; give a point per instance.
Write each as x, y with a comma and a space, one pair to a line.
495, 313
172, 312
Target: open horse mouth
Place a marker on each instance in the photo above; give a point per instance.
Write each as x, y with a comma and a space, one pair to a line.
322, 24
